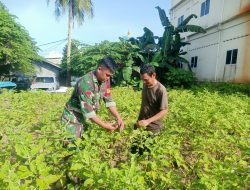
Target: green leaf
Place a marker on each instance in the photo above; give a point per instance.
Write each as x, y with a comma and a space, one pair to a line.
51, 179
88, 182
157, 57
33, 166
22, 150
136, 68
76, 166
23, 172
155, 64
126, 73
190, 28
186, 20
41, 183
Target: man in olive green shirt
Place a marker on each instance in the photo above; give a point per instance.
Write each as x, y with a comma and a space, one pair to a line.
154, 105
85, 100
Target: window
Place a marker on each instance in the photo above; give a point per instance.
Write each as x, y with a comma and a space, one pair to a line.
194, 62
180, 20
45, 79
231, 56
205, 8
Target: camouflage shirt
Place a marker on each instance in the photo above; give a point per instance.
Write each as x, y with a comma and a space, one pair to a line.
85, 99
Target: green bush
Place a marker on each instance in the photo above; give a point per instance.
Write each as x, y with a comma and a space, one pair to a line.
179, 78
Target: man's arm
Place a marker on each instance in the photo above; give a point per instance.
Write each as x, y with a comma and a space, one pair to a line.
115, 113
109, 103
146, 122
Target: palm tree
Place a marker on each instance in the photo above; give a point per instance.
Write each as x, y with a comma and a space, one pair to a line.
77, 9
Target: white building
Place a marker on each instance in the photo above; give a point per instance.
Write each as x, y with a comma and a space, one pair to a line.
223, 53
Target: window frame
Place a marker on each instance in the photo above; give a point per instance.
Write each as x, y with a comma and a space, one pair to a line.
231, 57
194, 61
180, 20
205, 7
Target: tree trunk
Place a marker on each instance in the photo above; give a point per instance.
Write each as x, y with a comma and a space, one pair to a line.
70, 23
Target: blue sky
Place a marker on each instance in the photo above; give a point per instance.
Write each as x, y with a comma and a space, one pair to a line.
112, 19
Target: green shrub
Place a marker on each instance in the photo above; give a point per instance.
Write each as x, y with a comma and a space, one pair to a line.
179, 78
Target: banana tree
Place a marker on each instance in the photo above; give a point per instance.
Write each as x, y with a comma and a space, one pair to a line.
170, 43
147, 44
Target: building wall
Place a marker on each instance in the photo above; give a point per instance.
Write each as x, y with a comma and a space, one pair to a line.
44, 69
228, 27
206, 51
220, 10
174, 2
235, 35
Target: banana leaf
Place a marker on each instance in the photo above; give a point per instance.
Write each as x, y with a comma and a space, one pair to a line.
126, 73
157, 57
188, 19
163, 17
190, 28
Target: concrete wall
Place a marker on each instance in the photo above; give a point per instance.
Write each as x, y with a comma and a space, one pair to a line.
235, 35
220, 10
45, 69
228, 27
205, 47
175, 2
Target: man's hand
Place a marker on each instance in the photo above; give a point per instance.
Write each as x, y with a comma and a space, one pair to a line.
115, 113
111, 127
120, 123
143, 123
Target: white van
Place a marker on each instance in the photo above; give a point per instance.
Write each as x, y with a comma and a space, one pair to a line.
45, 83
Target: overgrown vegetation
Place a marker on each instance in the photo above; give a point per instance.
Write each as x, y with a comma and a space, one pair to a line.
204, 144
85, 58
179, 78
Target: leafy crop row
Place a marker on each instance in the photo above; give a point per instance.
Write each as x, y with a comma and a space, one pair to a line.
205, 144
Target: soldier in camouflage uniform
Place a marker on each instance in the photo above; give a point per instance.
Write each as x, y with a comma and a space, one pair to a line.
85, 100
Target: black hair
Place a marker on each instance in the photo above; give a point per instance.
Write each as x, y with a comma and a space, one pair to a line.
108, 63
147, 69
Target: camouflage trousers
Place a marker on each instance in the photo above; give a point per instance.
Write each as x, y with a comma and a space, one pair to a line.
73, 122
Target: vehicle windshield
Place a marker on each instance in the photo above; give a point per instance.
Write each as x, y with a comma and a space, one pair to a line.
45, 79
22, 79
